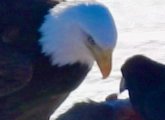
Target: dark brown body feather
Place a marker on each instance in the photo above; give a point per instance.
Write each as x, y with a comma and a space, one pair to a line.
45, 86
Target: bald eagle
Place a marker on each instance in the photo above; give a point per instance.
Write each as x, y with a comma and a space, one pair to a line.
50, 47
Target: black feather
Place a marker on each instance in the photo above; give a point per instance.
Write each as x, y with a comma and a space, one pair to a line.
49, 85
88, 111
145, 80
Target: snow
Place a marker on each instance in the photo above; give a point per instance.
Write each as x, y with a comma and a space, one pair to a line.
141, 30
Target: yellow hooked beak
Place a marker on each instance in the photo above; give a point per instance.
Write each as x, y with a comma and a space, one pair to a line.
103, 59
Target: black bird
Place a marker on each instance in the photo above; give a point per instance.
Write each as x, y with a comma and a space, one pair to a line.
47, 50
145, 81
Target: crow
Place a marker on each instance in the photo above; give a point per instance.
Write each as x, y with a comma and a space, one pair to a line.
145, 80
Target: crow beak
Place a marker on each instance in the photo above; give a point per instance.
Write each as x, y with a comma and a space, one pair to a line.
122, 85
